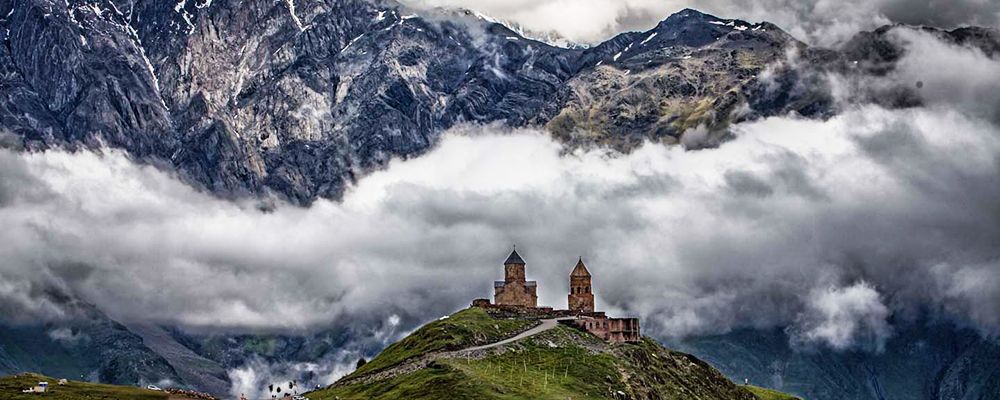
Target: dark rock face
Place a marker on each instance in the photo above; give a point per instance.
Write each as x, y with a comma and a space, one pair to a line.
923, 361
251, 97
692, 70
90, 346
76, 77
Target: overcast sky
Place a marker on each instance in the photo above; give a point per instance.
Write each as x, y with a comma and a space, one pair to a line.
823, 22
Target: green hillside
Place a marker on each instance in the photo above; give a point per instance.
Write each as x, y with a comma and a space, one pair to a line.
768, 394
465, 328
11, 387
560, 363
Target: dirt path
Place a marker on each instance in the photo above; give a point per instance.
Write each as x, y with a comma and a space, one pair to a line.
544, 326
469, 352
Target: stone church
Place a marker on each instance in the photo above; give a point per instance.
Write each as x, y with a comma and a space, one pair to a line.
515, 290
515, 294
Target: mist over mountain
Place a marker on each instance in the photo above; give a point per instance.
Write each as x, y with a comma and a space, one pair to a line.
224, 193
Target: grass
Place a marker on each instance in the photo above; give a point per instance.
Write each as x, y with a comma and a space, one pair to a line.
11, 387
562, 363
768, 394
466, 328
532, 370
540, 370
438, 381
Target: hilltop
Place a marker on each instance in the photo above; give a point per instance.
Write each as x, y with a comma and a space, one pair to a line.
472, 355
465, 356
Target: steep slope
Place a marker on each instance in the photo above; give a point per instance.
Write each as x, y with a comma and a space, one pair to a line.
557, 363
75, 74
922, 362
193, 369
90, 346
248, 97
298, 99
691, 69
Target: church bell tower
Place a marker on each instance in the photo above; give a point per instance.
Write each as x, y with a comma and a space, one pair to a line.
581, 299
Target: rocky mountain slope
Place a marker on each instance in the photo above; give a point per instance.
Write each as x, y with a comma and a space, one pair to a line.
922, 361
558, 363
251, 97
90, 346
95, 348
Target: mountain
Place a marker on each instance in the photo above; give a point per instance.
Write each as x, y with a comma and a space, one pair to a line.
450, 358
922, 361
298, 100
89, 346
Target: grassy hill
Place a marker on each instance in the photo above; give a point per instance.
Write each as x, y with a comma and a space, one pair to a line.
469, 327
11, 386
561, 363
768, 394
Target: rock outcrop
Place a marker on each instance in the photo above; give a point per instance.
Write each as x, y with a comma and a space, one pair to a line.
298, 100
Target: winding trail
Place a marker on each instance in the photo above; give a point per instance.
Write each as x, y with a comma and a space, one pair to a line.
414, 364
542, 327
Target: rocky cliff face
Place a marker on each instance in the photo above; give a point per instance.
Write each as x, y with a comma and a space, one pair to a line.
923, 361
691, 71
251, 97
89, 346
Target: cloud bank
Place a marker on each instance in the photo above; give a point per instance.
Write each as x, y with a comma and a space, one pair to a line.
836, 229
822, 22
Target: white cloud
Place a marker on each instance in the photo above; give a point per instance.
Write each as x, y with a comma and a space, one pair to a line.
67, 336
843, 317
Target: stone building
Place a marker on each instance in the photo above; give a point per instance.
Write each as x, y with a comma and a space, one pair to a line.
581, 304
581, 298
517, 297
515, 290
615, 330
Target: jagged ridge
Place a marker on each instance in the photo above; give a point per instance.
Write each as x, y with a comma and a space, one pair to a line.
300, 99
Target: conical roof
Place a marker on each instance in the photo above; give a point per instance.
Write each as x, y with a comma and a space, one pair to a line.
580, 269
514, 258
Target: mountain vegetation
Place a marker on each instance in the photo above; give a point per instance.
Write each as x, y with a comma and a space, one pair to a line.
559, 363
11, 387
